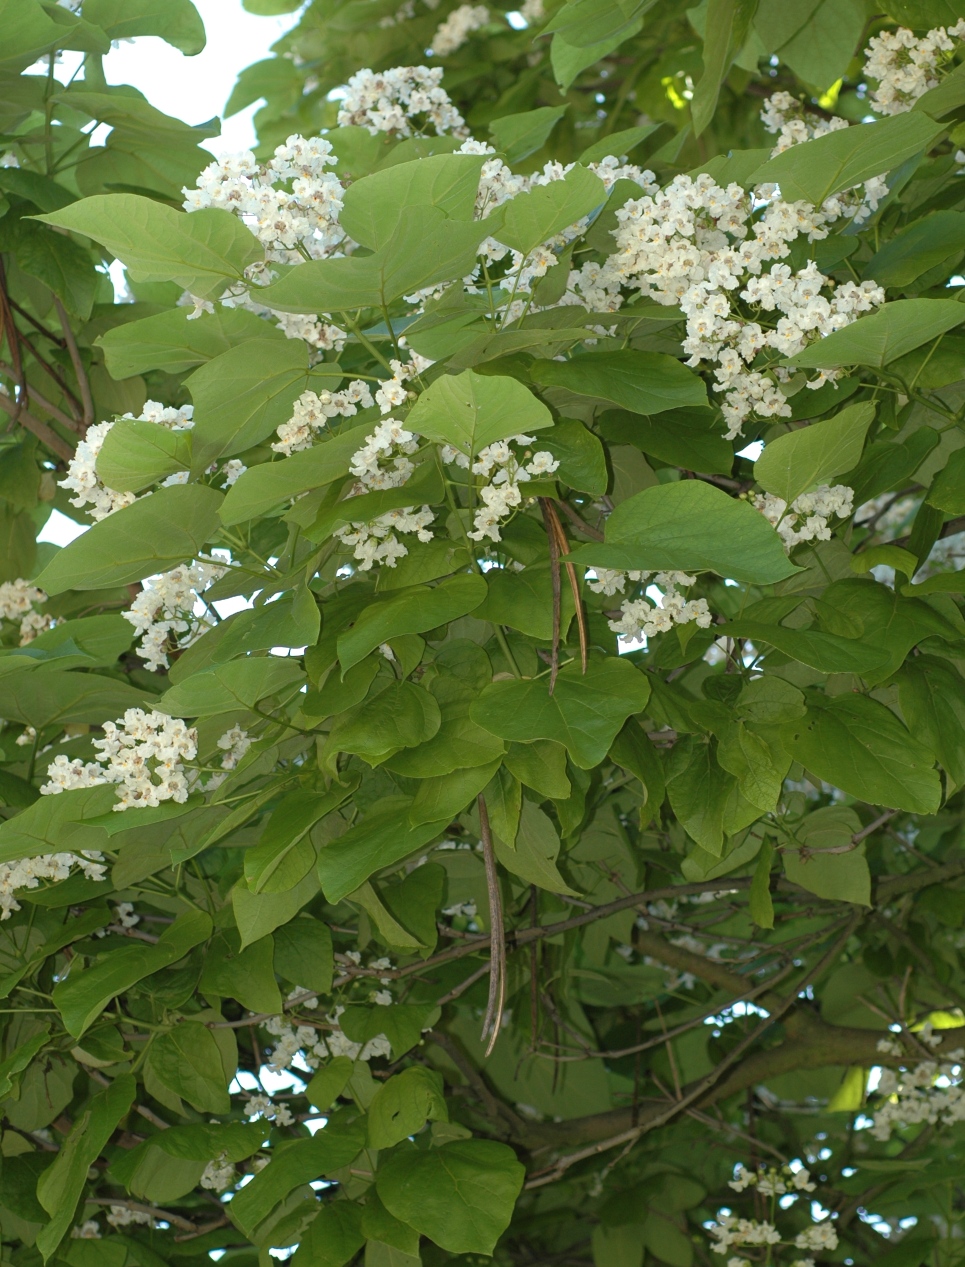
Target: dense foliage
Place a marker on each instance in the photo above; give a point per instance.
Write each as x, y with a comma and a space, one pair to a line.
488, 780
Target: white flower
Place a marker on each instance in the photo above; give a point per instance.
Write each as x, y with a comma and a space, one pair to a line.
398, 100
458, 26
163, 613
218, 1175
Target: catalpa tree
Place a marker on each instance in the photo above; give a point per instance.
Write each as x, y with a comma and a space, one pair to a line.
486, 781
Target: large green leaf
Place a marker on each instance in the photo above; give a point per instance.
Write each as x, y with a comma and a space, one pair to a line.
384, 838
176, 340
158, 532
643, 382
800, 460
413, 611
923, 244
461, 1195
932, 696
187, 1061
404, 1104
689, 526
838, 160
271, 484
470, 411
883, 336
859, 745
202, 252
517, 136
725, 29
237, 684
371, 207
136, 454
50, 697
243, 395
425, 249
176, 21
585, 711
535, 217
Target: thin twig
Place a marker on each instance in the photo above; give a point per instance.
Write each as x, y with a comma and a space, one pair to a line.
40, 429
587, 529
80, 372
554, 549
492, 1023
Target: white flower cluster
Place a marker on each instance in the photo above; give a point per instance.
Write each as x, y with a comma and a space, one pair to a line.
930, 1093
234, 743
163, 614
906, 66
503, 470
82, 477
305, 1043
122, 1216
311, 412
384, 462
262, 1106
457, 28
772, 1182
141, 748
404, 100
694, 245
808, 515
640, 619
291, 204
218, 1175
89, 1230
18, 600
28, 873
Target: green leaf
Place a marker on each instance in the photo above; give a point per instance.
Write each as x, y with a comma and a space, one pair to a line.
682, 437
947, 491
569, 59
136, 454
689, 526
842, 877
760, 907
541, 765
524, 601
415, 611
891, 556
304, 955
448, 795
582, 461
800, 460
61, 1185
471, 411
59, 263
828, 653
384, 838
175, 341
155, 534
83, 995
271, 484
617, 143
883, 336
535, 217
334, 1236
533, 855
202, 252
246, 975
371, 207
404, 1104
643, 382
329, 1083
816, 39
47, 824
49, 697
187, 1061
425, 249
403, 715
860, 746
258, 914
238, 684
283, 855
243, 395
699, 789
296, 1162
921, 246
838, 160
726, 26
176, 21
932, 697
517, 136
461, 1195
585, 712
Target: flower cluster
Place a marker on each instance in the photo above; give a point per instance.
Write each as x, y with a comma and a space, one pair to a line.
807, 517
82, 477
19, 600
695, 245
311, 412
458, 27
28, 873
641, 620
143, 755
403, 101
163, 614
234, 743
218, 1175
503, 469
906, 66
262, 1106
291, 204
305, 1043
771, 1182
931, 1092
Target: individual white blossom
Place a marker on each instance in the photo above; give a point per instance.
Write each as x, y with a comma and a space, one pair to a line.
89, 1230
82, 477
232, 472
404, 100
457, 28
533, 10
26, 737
164, 612
125, 915
808, 516
218, 1175
234, 743
906, 66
